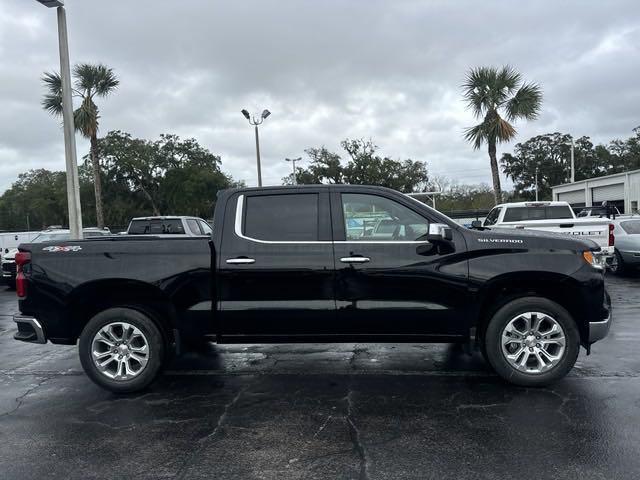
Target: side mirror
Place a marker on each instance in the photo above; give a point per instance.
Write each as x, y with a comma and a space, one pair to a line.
439, 232
477, 224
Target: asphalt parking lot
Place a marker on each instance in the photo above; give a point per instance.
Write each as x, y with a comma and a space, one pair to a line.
367, 411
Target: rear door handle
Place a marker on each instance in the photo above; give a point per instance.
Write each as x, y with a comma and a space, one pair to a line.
240, 261
355, 259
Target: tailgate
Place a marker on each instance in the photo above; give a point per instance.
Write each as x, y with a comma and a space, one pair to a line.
596, 230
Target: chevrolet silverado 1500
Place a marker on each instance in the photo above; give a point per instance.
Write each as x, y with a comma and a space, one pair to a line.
317, 264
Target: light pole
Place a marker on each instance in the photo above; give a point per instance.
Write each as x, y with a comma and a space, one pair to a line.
573, 162
536, 183
73, 187
255, 123
293, 161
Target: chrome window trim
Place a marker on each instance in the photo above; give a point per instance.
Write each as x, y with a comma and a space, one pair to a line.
238, 232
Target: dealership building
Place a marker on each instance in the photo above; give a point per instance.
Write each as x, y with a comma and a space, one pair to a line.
619, 189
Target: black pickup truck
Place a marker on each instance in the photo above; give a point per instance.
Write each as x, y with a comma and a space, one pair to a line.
334, 263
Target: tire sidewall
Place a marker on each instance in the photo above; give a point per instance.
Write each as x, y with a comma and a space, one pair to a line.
493, 341
620, 267
150, 330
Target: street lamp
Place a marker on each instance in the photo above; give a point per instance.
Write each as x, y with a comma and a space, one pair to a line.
52, 3
73, 187
293, 161
255, 122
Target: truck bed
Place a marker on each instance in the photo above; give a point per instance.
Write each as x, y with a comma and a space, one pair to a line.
83, 274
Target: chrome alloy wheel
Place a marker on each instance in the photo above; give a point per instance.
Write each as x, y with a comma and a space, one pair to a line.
120, 351
533, 342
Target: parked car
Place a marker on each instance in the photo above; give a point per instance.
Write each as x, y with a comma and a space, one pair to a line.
283, 267
52, 234
555, 217
627, 255
190, 226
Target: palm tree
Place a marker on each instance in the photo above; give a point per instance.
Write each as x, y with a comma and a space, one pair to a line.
89, 81
489, 91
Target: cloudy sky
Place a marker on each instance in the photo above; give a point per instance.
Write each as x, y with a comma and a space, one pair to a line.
389, 70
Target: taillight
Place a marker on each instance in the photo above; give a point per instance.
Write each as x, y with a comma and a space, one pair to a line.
22, 258
612, 237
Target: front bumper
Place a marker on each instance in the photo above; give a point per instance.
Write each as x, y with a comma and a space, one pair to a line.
598, 330
29, 330
8, 269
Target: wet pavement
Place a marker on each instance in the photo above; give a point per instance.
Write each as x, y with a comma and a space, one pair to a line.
326, 411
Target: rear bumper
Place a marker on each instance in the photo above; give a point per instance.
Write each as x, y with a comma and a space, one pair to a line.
598, 330
608, 251
29, 330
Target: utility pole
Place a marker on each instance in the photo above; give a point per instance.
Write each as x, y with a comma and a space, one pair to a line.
293, 161
255, 122
573, 164
536, 183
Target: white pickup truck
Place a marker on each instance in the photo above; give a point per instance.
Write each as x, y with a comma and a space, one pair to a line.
553, 217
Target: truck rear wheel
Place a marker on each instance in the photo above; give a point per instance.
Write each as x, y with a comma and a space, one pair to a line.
121, 350
617, 266
532, 342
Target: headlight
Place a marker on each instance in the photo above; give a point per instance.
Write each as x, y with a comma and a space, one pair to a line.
595, 259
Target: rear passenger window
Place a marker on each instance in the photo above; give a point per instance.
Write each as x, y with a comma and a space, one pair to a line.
290, 217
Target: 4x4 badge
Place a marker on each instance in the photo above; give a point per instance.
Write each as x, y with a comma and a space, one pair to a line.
56, 248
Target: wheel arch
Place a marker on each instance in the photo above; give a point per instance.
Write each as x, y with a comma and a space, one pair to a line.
93, 297
561, 289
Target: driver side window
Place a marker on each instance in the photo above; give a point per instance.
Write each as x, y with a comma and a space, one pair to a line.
374, 218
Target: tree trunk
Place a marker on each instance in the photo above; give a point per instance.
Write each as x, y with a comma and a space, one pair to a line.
156, 211
97, 181
495, 173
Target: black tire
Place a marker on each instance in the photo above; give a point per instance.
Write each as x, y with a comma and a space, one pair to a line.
618, 267
155, 341
11, 283
501, 319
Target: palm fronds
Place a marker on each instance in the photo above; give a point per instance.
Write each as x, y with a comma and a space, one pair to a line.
525, 103
52, 100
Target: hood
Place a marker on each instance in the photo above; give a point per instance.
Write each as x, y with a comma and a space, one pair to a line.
10, 255
519, 238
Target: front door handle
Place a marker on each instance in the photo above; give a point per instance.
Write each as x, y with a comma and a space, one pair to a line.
355, 259
241, 261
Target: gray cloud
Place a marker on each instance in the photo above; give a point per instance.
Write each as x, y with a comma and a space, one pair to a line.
327, 70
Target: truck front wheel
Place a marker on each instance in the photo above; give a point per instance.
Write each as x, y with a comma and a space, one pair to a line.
532, 341
121, 350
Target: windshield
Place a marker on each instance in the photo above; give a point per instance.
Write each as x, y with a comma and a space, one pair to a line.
492, 218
